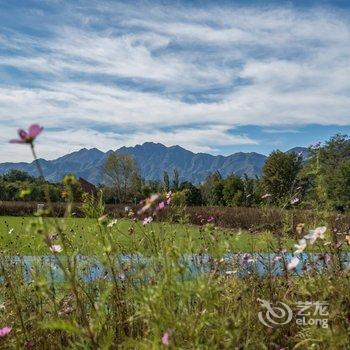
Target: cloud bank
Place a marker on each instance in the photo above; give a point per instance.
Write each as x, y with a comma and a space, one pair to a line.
107, 74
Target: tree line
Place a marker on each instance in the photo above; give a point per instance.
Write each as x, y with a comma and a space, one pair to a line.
320, 180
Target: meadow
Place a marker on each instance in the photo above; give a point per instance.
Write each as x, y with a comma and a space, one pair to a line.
159, 304
163, 275
18, 236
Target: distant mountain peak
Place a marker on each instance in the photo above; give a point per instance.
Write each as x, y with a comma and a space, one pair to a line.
152, 158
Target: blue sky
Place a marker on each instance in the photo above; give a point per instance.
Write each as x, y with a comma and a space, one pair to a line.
216, 77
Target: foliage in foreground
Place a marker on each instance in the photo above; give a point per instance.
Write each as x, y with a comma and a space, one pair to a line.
116, 300
129, 305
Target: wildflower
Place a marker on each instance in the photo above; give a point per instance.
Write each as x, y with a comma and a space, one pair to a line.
56, 248
316, 233
294, 262
5, 331
28, 136
266, 195
166, 337
210, 219
169, 197
148, 203
277, 258
248, 258
147, 221
230, 272
51, 238
161, 206
112, 223
347, 238
10, 231
294, 201
300, 246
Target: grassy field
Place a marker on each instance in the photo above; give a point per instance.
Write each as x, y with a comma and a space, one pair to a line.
156, 305
20, 236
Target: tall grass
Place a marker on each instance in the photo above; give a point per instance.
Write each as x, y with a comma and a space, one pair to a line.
153, 299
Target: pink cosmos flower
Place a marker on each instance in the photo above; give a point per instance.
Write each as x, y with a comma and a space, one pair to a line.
169, 197
148, 202
28, 136
4, 331
166, 337
161, 206
56, 248
210, 219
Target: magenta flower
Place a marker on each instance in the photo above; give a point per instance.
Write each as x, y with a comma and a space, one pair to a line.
210, 219
166, 337
5, 331
28, 136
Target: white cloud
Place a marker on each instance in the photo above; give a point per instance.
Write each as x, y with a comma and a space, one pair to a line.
120, 66
52, 144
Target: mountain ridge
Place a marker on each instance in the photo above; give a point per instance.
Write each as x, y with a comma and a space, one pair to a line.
152, 158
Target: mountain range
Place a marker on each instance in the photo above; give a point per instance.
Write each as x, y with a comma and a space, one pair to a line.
153, 159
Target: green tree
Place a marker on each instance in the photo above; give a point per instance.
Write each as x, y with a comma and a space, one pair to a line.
193, 194
212, 189
166, 181
120, 171
233, 190
176, 180
280, 174
327, 173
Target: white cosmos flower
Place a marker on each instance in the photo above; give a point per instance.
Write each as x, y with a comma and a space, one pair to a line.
294, 262
318, 232
112, 223
294, 201
147, 221
300, 246
56, 248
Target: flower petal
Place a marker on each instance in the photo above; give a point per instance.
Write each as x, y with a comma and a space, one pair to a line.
34, 130
17, 141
